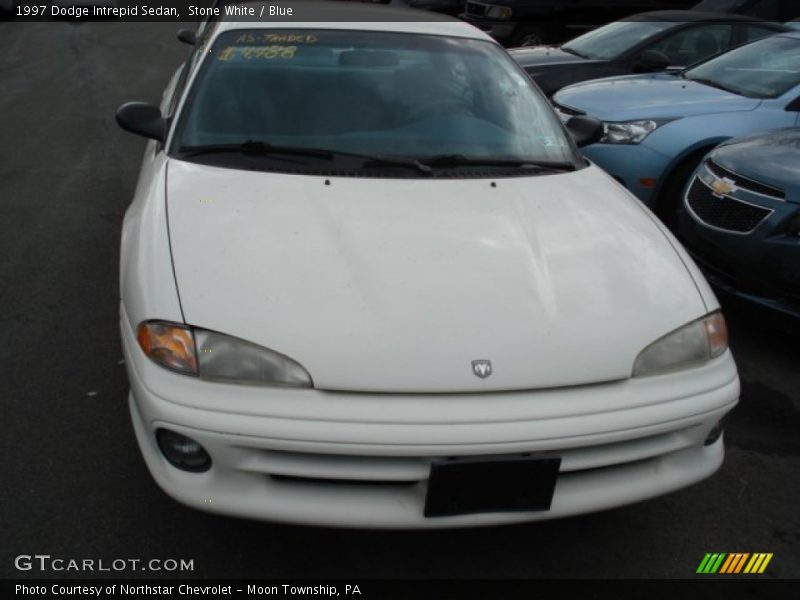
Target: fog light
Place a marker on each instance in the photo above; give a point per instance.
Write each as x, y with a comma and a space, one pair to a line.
183, 452
714, 434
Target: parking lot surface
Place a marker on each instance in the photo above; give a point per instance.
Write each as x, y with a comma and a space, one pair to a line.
74, 484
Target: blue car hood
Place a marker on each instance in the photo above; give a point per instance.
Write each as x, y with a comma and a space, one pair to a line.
663, 95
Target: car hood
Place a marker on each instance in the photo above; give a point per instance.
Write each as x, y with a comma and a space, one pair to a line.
398, 285
769, 158
662, 95
543, 56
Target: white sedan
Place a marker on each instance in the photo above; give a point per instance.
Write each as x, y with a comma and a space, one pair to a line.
367, 279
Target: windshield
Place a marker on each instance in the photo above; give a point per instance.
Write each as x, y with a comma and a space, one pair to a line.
767, 68
613, 39
367, 93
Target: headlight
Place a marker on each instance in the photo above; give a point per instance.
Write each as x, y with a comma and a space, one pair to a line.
691, 345
630, 132
218, 357
224, 358
170, 345
499, 12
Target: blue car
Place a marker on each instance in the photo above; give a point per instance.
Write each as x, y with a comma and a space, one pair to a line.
659, 127
741, 219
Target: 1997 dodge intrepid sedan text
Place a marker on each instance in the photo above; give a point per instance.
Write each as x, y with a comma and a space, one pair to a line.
367, 279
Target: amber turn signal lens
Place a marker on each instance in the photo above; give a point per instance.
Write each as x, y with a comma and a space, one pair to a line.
717, 331
170, 345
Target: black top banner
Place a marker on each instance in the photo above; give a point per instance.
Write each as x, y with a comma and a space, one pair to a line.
481, 12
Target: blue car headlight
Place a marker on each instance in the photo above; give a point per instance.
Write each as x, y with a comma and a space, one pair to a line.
631, 132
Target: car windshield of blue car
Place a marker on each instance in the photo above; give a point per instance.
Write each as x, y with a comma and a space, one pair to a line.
614, 39
767, 68
306, 96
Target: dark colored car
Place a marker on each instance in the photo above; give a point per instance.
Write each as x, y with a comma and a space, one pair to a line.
644, 43
447, 7
741, 219
771, 10
538, 22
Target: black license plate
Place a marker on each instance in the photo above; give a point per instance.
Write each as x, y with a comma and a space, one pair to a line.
481, 485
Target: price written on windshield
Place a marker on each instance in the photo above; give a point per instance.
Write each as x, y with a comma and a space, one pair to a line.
257, 52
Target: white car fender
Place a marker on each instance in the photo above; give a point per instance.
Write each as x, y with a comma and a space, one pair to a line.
147, 282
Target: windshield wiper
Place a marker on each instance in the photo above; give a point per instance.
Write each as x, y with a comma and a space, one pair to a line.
719, 86
253, 147
258, 148
459, 160
385, 161
425, 164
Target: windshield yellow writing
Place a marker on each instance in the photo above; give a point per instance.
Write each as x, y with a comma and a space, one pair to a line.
257, 52
276, 38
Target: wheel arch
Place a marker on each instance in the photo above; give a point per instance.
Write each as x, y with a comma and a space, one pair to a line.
691, 154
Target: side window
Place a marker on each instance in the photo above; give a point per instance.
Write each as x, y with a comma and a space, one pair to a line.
694, 44
754, 32
188, 67
181, 77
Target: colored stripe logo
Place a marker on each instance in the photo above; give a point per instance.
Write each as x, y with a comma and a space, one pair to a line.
734, 563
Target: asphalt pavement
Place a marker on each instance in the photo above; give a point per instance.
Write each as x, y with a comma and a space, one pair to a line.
73, 482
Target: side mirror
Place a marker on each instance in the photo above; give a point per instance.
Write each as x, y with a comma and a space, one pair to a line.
585, 130
651, 60
142, 119
187, 36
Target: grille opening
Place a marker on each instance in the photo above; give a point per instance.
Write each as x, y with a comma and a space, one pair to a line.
363, 483
723, 213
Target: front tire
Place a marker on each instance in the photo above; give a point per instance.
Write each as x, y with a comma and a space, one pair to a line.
529, 35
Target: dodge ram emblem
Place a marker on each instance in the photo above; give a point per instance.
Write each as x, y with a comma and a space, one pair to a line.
482, 368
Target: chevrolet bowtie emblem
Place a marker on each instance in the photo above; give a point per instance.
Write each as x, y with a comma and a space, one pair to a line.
482, 368
723, 187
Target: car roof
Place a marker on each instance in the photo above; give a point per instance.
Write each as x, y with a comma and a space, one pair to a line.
356, 15
691, 16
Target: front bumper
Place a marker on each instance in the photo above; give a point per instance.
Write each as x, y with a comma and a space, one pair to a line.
630, 164
316, 457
